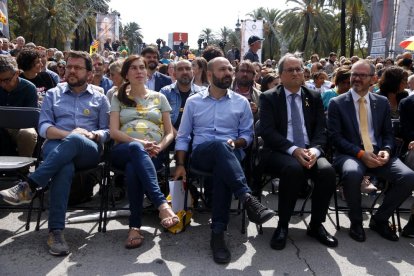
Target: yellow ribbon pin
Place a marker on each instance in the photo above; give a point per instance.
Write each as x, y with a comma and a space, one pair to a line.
86, 111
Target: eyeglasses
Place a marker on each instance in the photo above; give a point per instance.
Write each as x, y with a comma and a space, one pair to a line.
75, 67
293, 70
361, 76
8, 79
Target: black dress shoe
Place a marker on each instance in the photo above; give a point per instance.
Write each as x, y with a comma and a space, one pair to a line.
221, 253
384, 229
278, 241
256, 211
408, 230
320, 233
357, 232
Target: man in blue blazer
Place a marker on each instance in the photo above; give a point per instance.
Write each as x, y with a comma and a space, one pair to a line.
156, 80
359, 126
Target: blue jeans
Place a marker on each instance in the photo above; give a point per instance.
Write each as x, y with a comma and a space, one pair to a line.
141, 177
220, 159
61, 158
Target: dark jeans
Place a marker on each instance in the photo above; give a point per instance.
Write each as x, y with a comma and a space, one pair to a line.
223, 162
61, 157
141, 177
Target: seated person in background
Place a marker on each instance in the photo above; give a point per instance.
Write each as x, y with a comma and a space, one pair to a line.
74, 119
15, 91
270, 81
342, 85
406, 111
141, 126
30, 63
244, 85
360, 129
392, 85
117, 79
222, 124
292, 126
178, 92
98, 73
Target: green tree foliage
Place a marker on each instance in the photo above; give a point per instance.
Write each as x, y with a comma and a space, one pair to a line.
132, 32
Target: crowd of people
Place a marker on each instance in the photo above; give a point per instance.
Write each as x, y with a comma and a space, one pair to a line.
317, 119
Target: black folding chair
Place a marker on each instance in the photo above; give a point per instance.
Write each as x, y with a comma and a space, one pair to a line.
19, 118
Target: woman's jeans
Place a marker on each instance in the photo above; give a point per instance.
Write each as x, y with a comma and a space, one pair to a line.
141, 177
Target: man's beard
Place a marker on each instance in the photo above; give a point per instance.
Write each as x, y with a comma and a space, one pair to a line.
152, 65
222, 83
77, 83
245, 82
184, 81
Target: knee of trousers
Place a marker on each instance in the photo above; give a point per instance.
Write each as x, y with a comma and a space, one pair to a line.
352, 177
221, 147
75, 138
136, 147
27, 135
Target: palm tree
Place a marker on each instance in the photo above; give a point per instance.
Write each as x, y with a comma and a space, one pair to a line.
309, 16
357, 19
51, 20
132, 33
207, 35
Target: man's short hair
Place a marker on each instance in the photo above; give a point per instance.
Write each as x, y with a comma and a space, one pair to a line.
150, 50
84, 55
26, 58
8, 64
283, 59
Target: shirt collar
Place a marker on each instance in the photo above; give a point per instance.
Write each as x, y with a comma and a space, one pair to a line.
66, 89
288, 93
205, 93
355, 96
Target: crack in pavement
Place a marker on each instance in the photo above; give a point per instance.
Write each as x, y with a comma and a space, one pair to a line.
301, 258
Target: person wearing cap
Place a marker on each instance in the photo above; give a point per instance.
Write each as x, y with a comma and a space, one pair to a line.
255, 43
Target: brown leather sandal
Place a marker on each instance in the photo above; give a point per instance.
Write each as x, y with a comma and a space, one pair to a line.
135, 238
168, 221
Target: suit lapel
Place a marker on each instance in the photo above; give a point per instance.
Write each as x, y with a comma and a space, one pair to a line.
374, 116
306, 107
282, 108
351, 107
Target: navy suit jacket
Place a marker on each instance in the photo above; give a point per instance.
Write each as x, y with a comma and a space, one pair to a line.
274, 119
343, 127
161, 80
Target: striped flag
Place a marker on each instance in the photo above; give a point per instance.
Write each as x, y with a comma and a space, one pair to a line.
94, 46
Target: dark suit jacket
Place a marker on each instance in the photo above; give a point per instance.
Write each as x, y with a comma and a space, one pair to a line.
161, 80
406, 109
274, 119
343, 128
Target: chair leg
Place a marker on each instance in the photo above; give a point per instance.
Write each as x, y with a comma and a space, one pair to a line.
102, 186
39, 212
243, 226
398, 219
29, 214
338, 227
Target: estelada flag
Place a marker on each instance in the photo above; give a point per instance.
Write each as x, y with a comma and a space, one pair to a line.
94, 46
3, 18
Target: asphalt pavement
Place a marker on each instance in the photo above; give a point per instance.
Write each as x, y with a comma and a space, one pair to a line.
162, 253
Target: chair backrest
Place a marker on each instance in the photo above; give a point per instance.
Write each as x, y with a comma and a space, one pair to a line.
19, 117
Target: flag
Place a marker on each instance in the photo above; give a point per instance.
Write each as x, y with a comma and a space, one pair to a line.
94, 46
3, 18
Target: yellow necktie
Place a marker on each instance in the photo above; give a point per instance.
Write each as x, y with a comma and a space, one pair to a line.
363, 126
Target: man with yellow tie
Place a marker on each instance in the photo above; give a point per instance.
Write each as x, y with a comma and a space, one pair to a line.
360, 129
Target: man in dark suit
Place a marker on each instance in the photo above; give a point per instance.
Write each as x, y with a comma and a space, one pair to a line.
359, 126
156, 80
292, 125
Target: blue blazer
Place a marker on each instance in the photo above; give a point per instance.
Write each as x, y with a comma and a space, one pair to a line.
343, 128
161, 80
